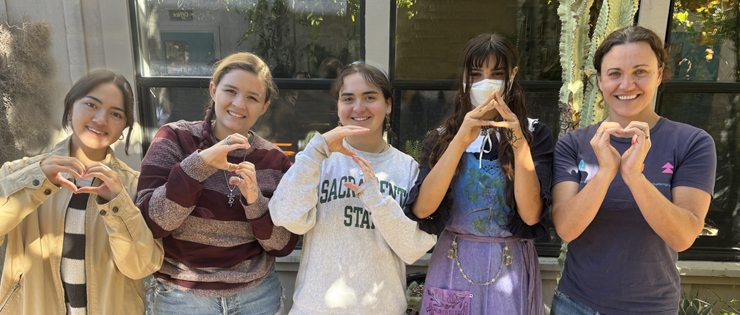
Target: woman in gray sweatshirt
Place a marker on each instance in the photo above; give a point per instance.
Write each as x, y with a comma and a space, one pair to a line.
345, 195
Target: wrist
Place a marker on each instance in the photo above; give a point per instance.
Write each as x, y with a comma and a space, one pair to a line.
630, 178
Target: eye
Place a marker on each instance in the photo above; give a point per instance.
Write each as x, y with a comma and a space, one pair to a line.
347, 99
230, 91
499, 74
91, 105
370, 98
614, 74
475, 74
641, 71
117, 115
252, 98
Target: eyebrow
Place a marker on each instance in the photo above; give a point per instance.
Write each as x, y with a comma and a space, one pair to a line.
99, 101
363, 93
236, 88
636, 66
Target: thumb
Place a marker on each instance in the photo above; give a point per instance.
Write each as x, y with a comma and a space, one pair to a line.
352, 186
346, 151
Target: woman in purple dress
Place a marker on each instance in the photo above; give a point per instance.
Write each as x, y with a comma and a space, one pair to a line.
484, 185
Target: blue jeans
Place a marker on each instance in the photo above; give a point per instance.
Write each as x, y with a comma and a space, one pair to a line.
565, 305
264, 299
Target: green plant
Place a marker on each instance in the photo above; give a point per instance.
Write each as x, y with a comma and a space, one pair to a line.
576, 55
413, 148
414, 294
694, 306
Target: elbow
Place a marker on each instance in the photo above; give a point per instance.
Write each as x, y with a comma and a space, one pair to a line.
531, 219
682, 245
419, 212
565, 236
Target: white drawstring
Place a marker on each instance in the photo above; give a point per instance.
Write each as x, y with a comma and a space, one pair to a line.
483, 146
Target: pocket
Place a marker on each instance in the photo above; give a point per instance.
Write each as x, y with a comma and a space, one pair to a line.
12, 295
442, 301
161, 288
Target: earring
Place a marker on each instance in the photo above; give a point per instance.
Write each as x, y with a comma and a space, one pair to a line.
339, 123
387, 123
121, 137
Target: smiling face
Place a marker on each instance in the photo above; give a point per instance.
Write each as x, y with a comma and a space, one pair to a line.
628, 80
98, 119
239, 100
362, 104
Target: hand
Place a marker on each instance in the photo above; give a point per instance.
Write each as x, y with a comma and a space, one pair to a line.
633, 160
606, 154
366, 168
55, 165
111, 187
334, 138
470, 128
510, 122
215, 156
246, 181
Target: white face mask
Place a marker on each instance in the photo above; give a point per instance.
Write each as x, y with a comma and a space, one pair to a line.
480, 91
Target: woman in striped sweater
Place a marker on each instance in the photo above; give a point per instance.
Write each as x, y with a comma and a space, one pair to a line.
204, 189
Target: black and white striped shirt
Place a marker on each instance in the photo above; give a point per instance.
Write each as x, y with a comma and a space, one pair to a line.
73, 252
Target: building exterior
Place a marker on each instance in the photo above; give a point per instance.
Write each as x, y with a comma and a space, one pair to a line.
167, 48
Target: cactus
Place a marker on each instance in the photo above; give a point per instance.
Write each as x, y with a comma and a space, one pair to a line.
614, 14
694, 306
576, 57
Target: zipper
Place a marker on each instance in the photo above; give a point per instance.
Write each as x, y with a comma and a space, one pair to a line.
7, 298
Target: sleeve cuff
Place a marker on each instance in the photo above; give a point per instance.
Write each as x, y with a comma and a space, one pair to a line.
36, 180
369, 193
120, 206
317, 149
194, 167
257, 209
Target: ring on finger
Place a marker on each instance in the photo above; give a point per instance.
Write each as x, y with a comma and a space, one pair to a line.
227, 140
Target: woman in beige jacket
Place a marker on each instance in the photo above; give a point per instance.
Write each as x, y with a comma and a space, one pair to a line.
77, 244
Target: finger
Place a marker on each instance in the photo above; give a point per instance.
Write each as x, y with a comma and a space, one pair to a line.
606, 135
502, 108
483, 108
247, 174
505, 124
101, 168
88, 190
346, 152
232, 167
69, 185
69, 165
352, 186
352, 131
479, 123
104, 177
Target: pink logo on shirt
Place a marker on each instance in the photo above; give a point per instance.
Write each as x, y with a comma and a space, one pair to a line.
668, 168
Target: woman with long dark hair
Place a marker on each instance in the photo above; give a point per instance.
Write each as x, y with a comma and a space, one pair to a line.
484, 185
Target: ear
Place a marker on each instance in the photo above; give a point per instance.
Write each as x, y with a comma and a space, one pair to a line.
388, 106
513, 72
598, 80
264, 107
660, 74
212, 90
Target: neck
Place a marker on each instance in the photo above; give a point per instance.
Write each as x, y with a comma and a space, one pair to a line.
370, 142
86, 155
221, 134
650, 117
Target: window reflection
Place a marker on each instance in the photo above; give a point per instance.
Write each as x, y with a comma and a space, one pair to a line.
703, 41
295, 37
716, 114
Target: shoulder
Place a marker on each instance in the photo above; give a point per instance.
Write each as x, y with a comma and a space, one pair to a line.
682, 130
685, 137
194, 128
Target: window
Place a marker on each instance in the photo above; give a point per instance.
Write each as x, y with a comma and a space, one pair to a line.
305, 43
704, 93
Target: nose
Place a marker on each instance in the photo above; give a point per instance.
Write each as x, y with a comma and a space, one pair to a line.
100, 118
627, 82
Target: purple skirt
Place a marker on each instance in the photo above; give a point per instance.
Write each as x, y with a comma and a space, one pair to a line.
516, 290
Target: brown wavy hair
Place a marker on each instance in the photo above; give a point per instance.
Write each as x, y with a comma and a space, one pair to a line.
372, 75
244, 61
476, 52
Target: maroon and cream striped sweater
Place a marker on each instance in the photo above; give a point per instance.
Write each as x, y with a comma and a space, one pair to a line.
211, 249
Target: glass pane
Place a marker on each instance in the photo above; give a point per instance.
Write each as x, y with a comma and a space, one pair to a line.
287, 122
430, 35
422, 111
703, 41
297, 38
717, 114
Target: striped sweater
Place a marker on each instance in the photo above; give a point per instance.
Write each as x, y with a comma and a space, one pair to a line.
211, 249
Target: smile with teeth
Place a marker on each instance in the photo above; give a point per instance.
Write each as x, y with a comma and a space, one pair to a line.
626, 97
235, 114
96, 131
360, 118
